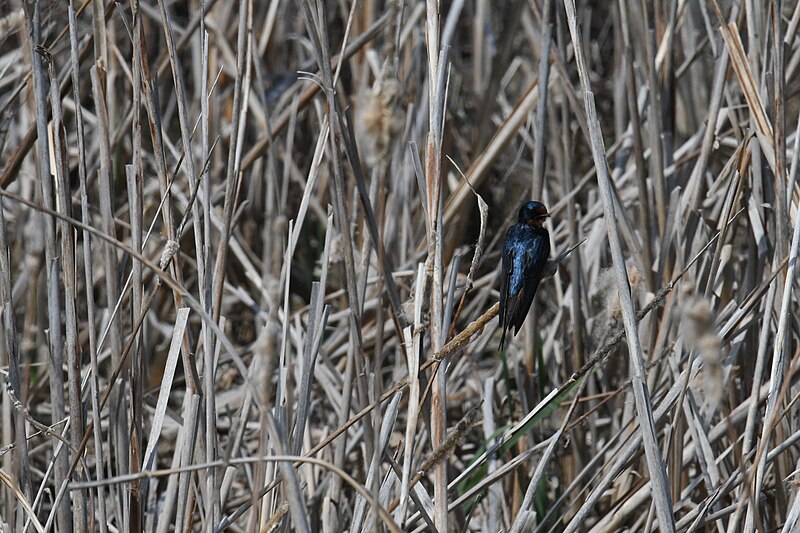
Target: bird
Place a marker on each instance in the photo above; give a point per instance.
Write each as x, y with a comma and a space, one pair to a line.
525, 251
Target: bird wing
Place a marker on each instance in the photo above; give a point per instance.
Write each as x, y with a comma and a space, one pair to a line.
506, 299
508, 262
535, 258
505, 277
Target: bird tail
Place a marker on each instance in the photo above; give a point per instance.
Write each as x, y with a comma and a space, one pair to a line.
502, 336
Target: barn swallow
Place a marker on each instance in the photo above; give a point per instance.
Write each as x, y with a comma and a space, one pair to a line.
525, 252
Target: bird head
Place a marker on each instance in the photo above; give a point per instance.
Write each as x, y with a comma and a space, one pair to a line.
533, 213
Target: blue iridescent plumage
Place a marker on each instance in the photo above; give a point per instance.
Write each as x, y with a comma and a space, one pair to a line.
525, 252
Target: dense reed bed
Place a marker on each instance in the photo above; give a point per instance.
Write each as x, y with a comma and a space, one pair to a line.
250, 259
